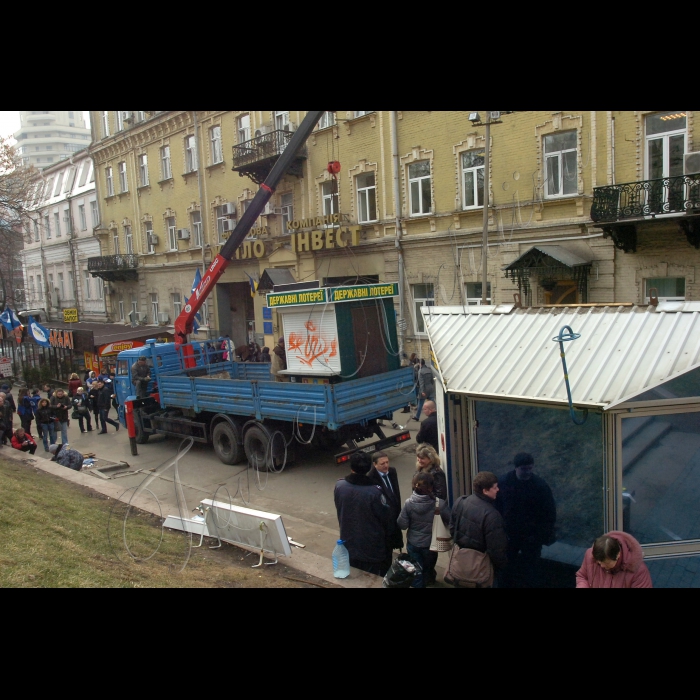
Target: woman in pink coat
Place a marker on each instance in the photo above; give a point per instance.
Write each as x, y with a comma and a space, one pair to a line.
615, 560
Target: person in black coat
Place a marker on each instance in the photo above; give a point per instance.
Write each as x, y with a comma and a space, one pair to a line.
527, 505
386, 478
363, 514
428, 432
104, 403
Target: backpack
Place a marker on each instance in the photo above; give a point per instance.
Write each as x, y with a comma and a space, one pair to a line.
34, 400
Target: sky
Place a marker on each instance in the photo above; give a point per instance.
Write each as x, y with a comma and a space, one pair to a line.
9, 122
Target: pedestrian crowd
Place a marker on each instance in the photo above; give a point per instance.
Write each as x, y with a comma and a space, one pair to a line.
52, 414
494, 535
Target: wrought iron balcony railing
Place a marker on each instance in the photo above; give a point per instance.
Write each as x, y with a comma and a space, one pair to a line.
110, 263
646, 198
269, 145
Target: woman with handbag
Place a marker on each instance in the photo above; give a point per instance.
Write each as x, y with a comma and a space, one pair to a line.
480, 537
81, 409
417, 516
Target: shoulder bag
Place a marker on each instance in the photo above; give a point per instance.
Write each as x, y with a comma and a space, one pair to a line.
441, 540
469, 567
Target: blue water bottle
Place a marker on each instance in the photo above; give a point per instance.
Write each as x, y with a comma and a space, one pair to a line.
341, 561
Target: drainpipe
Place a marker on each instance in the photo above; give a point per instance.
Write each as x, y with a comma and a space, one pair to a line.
201, 196
397, 242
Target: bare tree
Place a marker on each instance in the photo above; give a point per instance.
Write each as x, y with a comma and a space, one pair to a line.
16, 186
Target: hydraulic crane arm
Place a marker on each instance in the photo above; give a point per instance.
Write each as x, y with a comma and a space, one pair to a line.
184, 322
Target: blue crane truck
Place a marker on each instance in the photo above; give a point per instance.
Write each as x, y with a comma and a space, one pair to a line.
335, 391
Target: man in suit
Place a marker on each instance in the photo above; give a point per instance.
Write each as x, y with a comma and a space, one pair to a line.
386, 478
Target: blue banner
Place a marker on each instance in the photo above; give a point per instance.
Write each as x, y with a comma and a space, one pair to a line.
9, 319
39, 333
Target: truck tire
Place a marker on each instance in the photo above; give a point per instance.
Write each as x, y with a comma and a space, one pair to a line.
227, 443
141, 435
256, 443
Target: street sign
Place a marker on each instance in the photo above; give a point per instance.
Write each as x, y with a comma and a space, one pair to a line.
70, 315
5, 367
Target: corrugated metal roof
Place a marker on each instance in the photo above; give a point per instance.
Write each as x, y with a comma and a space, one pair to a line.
501, 351
554, 251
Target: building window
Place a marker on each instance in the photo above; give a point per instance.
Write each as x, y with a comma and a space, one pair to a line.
57, 224
36, 230
134, 304
71, 285
124, 187
88, 293
361, 114
143, 169
327, 119
165, 162
190, 154
59, 182
66, 219
154, 307
560, 164
120, 121
287, 206
31, 289
84, 173
100, 289
423, 295
105, 124
217, 153
150, 240
196, 229
121, 310
52, 289
109, 181
39, 288
47, 226
224, 221
82, 217
61, 288
172, 232
473, 293
94, 213
115, 241
329, 191
129, 238
419, 187
243, 123
366, 198
473, 179
92, 173
140, 116
281, 121
667, 288
665, 141
177, 305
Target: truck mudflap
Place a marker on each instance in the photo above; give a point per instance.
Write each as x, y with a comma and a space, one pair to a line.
380, 444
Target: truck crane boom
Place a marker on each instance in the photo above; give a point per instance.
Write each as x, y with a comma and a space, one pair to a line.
184, 322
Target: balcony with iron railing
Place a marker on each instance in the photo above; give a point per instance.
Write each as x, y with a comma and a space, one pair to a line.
114, 268
620, 209
256, 157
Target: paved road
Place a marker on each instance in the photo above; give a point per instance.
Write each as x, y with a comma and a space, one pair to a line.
302, 493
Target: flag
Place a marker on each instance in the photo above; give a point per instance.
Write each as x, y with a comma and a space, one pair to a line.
9, 319
39, 333
253, 284
197, 319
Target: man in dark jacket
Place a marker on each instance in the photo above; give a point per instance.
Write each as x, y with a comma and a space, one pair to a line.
104, 403
140, 376
428, 432
527, 505
386, 478
476, 524
363, 514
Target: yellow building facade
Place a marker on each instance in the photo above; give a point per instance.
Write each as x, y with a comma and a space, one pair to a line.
406, 205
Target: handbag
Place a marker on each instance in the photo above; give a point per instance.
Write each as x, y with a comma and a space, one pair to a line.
441, 540
470, 567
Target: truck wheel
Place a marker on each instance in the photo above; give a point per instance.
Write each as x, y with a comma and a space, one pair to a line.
227, 443
256, 444
141, 435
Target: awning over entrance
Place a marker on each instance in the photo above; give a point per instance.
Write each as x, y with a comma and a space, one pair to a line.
508, 353
550, 264
274, 276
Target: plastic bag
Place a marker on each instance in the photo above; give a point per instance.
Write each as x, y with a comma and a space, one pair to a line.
401, 572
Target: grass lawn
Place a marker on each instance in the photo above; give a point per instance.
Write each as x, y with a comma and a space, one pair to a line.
54, 535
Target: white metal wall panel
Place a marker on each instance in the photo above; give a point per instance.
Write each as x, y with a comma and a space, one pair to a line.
622, 351
311, 340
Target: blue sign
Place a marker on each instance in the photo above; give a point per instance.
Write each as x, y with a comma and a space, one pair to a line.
39, 333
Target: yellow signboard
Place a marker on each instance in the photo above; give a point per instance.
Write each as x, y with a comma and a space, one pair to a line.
70, 315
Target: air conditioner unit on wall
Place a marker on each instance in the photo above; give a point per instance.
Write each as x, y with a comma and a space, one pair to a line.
183, 234
262, 130
691, 163
153, 240
228, 209
228, 224
290, 126
163, 318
